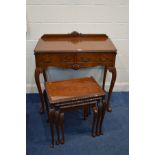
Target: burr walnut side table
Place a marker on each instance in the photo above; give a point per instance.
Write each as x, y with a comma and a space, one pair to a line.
75, 50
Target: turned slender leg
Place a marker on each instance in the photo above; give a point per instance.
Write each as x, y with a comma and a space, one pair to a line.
51, 121
87, 109
113, 79
102, 115
46, 103
98, 119
62, 127
85, 112
37, 73
104, 77
57, 114
95, 112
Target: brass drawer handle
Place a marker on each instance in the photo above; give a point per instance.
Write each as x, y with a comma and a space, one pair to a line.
102, 59
67, 59
85, 59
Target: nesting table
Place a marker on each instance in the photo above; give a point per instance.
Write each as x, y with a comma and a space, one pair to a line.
72, 94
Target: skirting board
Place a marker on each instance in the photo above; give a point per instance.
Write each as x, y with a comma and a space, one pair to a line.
32, 88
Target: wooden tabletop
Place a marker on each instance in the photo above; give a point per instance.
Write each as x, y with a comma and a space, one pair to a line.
74, 42
67, 90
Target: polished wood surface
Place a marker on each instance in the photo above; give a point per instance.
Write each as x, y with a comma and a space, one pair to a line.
75, 51
69, 95
56, 118
74, 43
67, 90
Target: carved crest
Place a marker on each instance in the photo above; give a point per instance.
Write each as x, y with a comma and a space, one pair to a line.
75, 33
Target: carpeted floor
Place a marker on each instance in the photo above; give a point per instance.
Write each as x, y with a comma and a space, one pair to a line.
78, 140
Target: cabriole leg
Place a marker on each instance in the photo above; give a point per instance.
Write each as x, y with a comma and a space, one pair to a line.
113, 79
37, 80
104, 77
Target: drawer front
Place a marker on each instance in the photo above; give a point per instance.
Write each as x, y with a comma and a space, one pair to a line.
95, 59
57, 60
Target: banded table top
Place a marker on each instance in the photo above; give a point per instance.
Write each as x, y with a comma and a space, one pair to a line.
74, 42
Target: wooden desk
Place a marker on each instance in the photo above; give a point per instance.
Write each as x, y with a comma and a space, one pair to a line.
75, 51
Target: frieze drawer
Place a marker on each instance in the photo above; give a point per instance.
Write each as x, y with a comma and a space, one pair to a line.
89, 59
57, 60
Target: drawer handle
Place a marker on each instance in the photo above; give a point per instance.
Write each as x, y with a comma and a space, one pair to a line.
76, 66
67, 59
85, 59
103, 59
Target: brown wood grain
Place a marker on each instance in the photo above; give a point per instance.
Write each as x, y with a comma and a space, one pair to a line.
75, 50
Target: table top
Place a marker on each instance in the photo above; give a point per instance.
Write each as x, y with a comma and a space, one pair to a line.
61, 91
74, 42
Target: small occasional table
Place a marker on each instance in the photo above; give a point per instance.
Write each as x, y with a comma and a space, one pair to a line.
75, 50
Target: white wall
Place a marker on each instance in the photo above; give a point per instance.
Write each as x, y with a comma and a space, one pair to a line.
85, 16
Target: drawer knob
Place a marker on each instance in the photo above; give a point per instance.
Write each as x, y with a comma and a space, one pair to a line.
76, 66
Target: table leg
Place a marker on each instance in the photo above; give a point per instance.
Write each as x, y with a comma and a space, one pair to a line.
98, 118
104, 77
62, 127
102, 115
37, 73
57, 123
44, 75
51, 121
95, 113
113, 79
85, 112
46, 103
